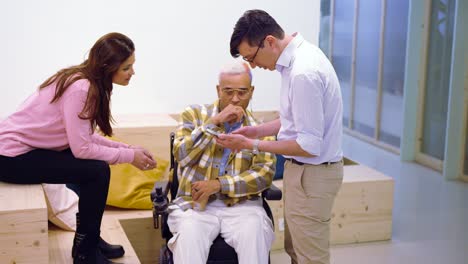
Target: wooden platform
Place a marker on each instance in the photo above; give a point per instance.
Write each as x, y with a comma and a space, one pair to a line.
23, 224
363, 207
362, 211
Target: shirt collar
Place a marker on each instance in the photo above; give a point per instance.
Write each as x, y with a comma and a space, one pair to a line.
286, 57
229, 128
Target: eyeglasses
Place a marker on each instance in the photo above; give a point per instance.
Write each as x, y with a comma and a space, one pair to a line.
260, 45
242, 93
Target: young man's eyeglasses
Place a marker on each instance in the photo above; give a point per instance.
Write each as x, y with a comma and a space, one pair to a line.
242, 93
260, 45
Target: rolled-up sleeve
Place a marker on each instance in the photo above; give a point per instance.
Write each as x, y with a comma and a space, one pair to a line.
307, 106
191, 140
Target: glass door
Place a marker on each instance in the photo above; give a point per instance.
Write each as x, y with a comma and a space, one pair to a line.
433, 113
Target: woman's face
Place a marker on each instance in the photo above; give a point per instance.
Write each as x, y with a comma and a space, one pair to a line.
123, 75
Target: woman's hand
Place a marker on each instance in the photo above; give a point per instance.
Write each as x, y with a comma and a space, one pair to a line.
143, 159
134, 147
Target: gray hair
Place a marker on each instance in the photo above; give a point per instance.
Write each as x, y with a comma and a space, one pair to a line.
236, 67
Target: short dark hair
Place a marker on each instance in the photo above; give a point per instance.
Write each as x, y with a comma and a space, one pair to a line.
253, 26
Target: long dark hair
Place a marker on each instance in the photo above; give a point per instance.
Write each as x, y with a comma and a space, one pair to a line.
104, 59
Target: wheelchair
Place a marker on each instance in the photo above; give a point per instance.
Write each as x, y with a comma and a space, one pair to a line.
220, 251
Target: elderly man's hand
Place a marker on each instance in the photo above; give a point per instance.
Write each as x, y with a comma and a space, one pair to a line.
230, 114
201, 190
235, 142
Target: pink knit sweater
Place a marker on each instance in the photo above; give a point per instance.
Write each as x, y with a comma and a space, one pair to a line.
39, 124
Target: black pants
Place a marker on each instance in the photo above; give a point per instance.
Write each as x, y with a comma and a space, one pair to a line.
46, 166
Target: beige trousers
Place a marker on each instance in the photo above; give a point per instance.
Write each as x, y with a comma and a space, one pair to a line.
309, 193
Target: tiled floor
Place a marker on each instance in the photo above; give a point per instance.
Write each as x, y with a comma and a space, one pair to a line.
430, 215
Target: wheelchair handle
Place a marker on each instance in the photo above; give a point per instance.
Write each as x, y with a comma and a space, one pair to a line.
160, 205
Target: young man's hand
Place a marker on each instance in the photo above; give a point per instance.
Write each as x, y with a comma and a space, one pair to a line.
247, 131
235, 142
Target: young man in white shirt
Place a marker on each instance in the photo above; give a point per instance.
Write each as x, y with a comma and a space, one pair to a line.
309, 130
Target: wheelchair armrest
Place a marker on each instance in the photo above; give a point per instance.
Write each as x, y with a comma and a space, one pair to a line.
273, 193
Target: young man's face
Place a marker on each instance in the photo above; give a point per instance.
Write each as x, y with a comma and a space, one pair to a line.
234, 89
258, 56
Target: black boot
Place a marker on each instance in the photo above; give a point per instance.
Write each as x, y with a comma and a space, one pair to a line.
85, 250
108, 250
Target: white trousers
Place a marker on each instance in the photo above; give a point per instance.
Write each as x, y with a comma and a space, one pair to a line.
245, 227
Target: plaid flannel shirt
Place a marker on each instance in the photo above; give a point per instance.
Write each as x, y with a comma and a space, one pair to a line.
246, 174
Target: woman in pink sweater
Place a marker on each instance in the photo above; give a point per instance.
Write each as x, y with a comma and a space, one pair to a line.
52, 139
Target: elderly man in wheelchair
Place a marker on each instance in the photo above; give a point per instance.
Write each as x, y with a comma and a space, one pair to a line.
219, 192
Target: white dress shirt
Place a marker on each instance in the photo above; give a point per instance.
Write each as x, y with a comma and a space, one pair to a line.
311, 108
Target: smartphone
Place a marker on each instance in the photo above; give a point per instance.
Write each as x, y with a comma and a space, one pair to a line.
212, 132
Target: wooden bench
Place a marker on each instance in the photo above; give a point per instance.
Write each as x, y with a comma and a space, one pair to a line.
362, 211
23, 224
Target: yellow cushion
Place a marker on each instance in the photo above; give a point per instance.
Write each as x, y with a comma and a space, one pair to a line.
130, 187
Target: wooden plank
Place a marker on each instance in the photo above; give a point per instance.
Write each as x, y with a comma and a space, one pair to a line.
148, 131
363, 207
26, 196
23, 224
144, 120
360, 173
362, 211
61, 242
60, 245
23, 236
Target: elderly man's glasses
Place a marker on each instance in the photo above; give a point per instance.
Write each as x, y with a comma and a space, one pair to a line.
242, 93
260, 45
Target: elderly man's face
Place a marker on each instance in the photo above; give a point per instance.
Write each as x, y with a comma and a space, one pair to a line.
234, 89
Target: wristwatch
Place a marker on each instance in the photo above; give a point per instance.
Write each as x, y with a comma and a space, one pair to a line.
255, 146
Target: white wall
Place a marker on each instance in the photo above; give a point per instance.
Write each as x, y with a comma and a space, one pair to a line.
180, 46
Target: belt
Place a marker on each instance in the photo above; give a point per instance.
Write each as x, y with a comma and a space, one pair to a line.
302, 163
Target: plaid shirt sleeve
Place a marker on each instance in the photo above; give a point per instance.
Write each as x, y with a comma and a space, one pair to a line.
250, 174
191, 140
